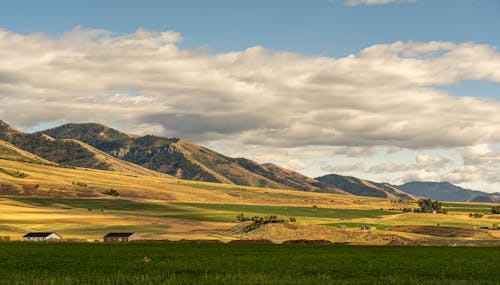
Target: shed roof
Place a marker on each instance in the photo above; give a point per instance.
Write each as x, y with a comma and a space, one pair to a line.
118, 235
39, 234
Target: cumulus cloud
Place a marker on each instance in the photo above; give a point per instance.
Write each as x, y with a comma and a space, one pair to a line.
355, 151
391, 167
434, 161
346, 168
382, 96
295, 164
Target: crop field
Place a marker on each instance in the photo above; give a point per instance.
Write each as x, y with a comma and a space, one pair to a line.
171, 263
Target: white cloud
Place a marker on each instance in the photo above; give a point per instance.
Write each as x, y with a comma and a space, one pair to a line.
422, 175
433, 161
381, 96
295, 164
391, 167
343, 169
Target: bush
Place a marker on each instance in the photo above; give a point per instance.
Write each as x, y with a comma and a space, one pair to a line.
79, 184
293, 220
476, 215
495, 210
112, 192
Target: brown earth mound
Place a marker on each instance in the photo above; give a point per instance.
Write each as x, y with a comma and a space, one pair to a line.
307, 241
252, 241
279, 233
450, 232
198, 241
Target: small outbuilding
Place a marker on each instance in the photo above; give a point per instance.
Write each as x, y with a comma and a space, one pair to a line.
366, 227
122, 237
42, 236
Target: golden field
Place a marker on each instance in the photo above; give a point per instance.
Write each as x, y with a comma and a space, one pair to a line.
71, 201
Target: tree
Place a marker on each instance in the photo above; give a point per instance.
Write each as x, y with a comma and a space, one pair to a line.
429, 206
495, 210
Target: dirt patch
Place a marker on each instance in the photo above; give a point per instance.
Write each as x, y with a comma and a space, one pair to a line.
198, 241
448, 232
252, 241
280, 233
307, 241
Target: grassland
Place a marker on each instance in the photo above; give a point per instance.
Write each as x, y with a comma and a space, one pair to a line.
51, 198
167, 263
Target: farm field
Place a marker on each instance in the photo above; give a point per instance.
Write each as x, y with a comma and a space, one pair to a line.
73, 203
170, 263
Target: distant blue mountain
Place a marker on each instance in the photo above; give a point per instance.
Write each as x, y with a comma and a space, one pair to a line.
445, 191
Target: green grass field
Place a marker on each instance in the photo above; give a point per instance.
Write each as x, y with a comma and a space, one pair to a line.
167, 263
288, 211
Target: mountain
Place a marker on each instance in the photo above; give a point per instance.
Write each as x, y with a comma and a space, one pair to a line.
361, 187
445, 191
67, 152
186, 160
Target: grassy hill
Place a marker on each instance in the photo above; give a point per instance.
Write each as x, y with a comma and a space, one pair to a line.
66, 152
10, 152
361, 187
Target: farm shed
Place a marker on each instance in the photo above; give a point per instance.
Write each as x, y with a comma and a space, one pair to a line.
122, 237
42, 237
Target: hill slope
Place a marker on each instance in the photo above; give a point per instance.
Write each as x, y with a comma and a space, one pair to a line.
184, 159
10, 152
362, 187
444, 191
67, 152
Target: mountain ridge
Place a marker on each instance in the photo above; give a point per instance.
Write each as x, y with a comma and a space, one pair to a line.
445, 191
184, 159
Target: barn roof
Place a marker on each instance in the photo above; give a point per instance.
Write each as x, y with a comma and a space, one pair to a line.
118, 235
39, 234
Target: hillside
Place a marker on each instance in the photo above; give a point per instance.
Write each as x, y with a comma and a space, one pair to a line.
185, 160
445, 191
10, 152
362, 187
66, 152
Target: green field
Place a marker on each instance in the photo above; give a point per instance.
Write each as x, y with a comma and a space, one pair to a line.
167, 263
288, 211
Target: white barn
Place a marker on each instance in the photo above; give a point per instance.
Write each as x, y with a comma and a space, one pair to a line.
45, 236
122, 237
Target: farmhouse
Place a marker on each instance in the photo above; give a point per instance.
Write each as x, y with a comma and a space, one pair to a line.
122, 237
42, 237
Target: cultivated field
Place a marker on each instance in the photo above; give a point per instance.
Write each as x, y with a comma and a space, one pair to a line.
167, 263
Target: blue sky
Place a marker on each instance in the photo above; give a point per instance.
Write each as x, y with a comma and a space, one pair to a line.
309, 27
398, 91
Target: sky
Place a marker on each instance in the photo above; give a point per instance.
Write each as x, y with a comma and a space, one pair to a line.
386, 90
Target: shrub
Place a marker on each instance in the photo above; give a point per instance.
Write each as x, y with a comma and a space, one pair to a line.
79, 184
495, 210
112, 192
293, 220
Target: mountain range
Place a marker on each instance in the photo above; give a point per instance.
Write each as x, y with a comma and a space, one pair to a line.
97, 146
445, 191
